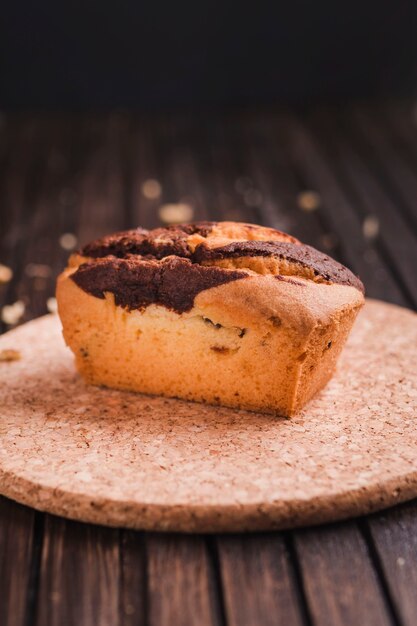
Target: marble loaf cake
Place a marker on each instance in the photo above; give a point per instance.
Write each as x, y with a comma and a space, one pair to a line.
218, 312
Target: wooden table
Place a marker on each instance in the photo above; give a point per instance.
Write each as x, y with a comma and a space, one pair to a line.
85, 175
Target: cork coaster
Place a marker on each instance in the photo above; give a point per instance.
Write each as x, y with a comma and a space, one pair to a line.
123, 459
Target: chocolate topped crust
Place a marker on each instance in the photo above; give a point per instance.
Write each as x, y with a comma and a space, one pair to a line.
321, 264
119, 244
172, 282
170, 266
159, 243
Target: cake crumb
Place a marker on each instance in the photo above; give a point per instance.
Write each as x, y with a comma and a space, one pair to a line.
51, 305
151, 189
309, 200
6, 274
68, 241
370, 227
9, 355
176, 213
11, 313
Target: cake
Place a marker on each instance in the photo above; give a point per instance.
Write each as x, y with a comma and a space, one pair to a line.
219, 312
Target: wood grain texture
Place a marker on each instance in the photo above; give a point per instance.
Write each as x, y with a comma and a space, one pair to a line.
389, 162
280, 184
307, 149
79, 578
180, 582
100, 188
399, 120
394, 535
15, 179
339, 580
258, 581
17, 529
133, 579
395, 239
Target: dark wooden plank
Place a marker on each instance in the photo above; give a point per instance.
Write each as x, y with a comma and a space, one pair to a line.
180, 582
271, 169
228, 179
164, 150
308, 152
101, 206
254, 180
395, 240
143, 207
339, 579
79, 575
8, 141
32, 169
394, 534
132, 579
181, 157
17, 526
258, 582
398, 176
15, 209
34, 197
22, 535
399, 120
42, 257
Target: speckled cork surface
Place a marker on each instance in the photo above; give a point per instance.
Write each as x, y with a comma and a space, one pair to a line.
123, 459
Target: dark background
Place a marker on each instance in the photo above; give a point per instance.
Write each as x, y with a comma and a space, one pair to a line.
160, 54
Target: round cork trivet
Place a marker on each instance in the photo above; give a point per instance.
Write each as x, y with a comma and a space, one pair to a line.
124, 459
